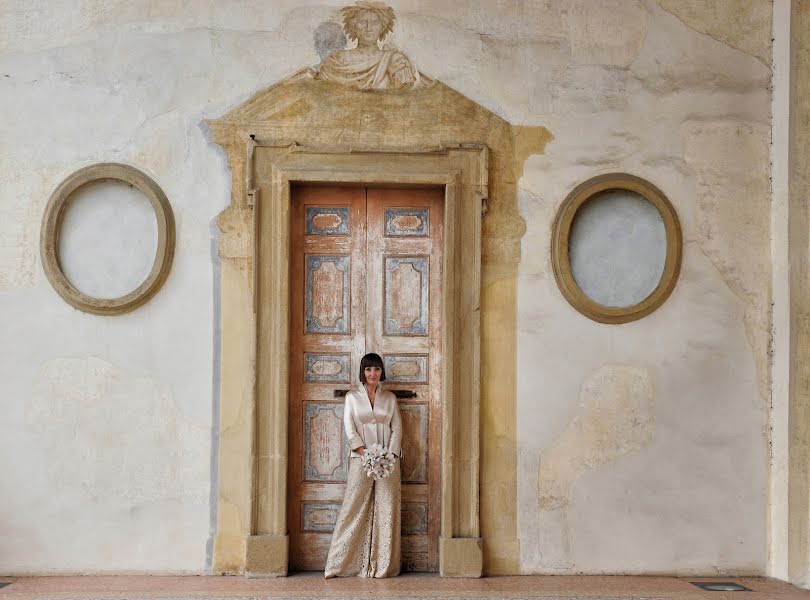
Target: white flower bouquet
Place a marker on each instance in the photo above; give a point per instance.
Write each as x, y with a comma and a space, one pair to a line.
378, 462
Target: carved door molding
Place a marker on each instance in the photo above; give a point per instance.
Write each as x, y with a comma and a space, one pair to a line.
366, 267
300, 130
255, 338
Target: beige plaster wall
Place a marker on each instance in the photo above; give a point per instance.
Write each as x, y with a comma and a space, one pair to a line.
630, 440
644, 447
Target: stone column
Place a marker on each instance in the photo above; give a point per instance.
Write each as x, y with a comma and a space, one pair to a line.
799, 241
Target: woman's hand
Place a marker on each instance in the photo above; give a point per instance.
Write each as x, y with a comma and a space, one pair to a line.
361, 450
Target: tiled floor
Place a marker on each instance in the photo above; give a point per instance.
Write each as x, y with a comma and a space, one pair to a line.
408, 587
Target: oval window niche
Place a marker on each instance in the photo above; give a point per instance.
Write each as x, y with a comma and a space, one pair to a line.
107, 239
616, 248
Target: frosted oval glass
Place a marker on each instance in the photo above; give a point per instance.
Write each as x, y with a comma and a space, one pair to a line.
617, 248
108, 239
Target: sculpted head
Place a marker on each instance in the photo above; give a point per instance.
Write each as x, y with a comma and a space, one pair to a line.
367, 21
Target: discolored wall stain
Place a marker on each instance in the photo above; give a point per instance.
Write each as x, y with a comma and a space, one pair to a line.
742, 24
114, 436
612, 35
20, 213
328, 37
614, 418
528, 141
730, 159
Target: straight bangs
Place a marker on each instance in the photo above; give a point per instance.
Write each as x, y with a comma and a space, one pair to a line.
371, 360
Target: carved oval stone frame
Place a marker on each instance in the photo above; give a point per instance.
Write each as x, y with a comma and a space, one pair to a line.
52, 221
561, 235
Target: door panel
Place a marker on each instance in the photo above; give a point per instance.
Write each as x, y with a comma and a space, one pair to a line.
324, 442
406, 295
366, 277
327, 294
327, 322
415, 450
403, 322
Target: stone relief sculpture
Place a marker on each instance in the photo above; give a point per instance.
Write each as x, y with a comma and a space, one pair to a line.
371, 65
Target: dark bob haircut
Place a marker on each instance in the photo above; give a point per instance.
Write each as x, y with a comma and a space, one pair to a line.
371, 360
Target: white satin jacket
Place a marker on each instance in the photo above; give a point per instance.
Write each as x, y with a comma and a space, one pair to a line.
365, 426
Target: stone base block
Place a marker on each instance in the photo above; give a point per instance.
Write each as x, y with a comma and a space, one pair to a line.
229, 554
461, 557
502, 556
267, 556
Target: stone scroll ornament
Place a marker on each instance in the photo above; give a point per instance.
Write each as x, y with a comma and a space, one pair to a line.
372, 64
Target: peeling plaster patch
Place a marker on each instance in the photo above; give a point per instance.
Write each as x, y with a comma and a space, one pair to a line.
328, 37
21, 204
533, 61
535, 260
588, 144
110, 434
17, 247
615, 418
742, 24
675, 58
529, 141
612, 35
731, 160
162, 142
488, 50
531, 20
32, 29
589, 89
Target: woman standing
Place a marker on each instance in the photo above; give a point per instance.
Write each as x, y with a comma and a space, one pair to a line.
365, 541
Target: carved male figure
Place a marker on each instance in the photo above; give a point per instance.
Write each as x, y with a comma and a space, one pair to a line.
369, 65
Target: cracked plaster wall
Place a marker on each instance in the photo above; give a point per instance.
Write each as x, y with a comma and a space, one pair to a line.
634, 440
109, 420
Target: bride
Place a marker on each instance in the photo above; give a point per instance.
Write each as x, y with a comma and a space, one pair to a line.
366, 538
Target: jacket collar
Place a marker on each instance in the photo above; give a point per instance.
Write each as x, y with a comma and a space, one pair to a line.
364, 394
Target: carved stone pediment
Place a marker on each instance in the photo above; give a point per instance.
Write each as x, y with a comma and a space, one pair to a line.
306, 113
315, 110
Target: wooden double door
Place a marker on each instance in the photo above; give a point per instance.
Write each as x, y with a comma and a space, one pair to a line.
366, 277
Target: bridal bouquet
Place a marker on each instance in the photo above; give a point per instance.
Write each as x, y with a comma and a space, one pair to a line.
378, 462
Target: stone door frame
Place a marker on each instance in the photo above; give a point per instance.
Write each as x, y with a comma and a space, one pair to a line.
251, 532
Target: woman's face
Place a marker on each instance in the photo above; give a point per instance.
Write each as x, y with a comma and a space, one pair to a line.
368, 27
373, 375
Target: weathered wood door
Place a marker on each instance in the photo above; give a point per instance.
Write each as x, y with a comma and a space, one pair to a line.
366, 277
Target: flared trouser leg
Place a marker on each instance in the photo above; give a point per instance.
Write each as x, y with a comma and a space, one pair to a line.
386, 557
366, 538
351, 539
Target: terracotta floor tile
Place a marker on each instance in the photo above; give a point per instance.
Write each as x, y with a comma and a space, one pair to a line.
406, 587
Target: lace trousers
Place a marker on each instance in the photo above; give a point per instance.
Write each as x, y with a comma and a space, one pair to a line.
366, 539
